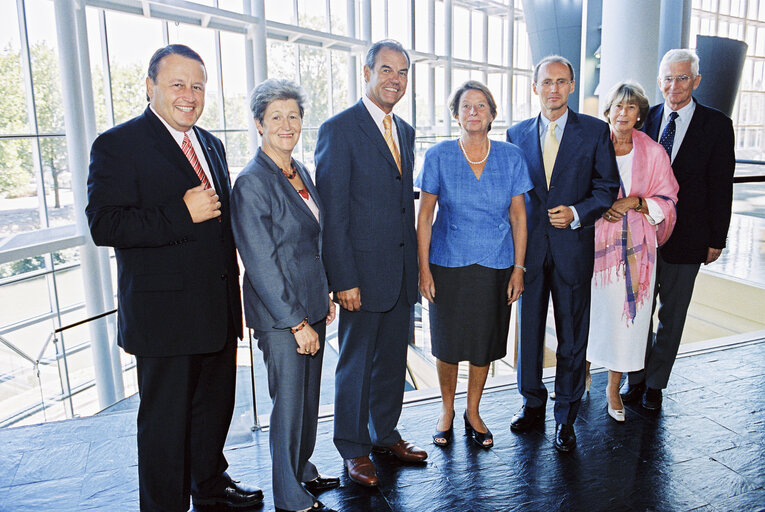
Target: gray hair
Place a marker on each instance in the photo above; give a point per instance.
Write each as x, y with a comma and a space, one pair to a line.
474, 85
272, 90
629, 93
390, 44
681, 55
553, 58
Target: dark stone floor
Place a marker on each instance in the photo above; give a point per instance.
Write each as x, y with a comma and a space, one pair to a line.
704, 451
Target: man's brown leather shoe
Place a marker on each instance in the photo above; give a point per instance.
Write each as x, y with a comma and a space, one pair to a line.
362, 471
404, 451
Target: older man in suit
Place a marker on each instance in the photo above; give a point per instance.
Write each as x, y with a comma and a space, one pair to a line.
699, 141
364, 158
573, 168
158, 192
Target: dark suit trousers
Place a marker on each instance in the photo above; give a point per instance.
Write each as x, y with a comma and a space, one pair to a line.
370, 377
187, 402
571, 305
673, 292
294, 381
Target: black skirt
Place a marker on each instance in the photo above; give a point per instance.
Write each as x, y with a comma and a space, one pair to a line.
470, 318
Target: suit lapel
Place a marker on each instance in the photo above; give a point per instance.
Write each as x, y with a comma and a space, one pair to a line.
533, 152
287, 189
654, 122
569, 145
168, 148
372, 132
693, 135
213, 162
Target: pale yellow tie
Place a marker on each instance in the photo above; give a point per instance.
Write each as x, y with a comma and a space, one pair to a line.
391, 143
550, 151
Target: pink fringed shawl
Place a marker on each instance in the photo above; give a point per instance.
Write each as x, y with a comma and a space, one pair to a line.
627, 249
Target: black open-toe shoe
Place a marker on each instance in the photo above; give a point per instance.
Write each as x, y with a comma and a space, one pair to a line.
484, 440
445, 437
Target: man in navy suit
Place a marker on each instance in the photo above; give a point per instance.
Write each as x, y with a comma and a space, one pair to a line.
700, 144
364, 159
573, 168
158, 192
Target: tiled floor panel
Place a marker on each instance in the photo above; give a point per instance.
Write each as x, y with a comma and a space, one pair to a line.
705, 451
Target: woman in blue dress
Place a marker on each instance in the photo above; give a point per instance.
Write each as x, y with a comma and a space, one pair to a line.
471, 258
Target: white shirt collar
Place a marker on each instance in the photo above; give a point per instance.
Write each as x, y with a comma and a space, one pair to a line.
560, 122
376, 112
684, 114
177, 135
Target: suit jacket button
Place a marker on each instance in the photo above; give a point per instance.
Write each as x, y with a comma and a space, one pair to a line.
401, 244
398, 177
403, 210
223, 276
318, 257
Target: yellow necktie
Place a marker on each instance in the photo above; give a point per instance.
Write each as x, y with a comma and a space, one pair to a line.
391, 143
550, 151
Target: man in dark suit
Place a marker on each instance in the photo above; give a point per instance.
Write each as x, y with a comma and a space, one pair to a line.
158, 192
700, 144
364, 158
573, 168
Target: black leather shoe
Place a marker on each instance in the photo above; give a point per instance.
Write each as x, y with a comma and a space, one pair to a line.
565, 438
631, 394
321, 484
317, 507
526, 418
652, 399
233, 497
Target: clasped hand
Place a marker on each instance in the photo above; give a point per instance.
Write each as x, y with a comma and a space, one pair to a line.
619, 209
203, 204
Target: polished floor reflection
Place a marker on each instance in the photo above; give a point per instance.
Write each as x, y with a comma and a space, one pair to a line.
702, 452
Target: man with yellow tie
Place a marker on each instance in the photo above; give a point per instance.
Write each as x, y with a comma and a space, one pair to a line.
573, 168
364, 158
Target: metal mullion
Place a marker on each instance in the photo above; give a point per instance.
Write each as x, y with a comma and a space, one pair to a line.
108, 96
26, 70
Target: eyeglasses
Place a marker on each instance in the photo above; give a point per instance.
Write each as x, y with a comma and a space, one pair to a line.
680, 79
548, 84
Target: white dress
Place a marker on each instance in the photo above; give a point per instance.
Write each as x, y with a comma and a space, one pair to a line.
616, 343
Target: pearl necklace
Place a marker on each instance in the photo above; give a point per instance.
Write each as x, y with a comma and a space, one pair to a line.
479, 162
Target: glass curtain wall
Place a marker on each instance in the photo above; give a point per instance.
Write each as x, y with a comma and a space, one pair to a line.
46, 375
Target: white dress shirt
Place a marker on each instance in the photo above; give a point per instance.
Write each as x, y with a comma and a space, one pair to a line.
377, 116
682, 121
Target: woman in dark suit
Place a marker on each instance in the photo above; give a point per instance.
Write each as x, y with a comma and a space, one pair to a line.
277, 220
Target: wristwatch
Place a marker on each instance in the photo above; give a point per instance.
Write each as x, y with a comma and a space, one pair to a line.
640, 204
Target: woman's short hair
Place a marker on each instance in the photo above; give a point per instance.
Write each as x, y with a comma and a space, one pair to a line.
630, 93
454, 103
272, 90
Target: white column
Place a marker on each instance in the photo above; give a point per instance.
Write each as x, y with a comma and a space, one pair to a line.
78, 149
89, 113
366, 21
353, 93
432, 67
256, 63
629, 44
509, 62
448, 31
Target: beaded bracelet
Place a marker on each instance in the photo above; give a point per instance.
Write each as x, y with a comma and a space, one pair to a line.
300, 326
521, 267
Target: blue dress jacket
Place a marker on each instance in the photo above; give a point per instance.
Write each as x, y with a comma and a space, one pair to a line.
473, 222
